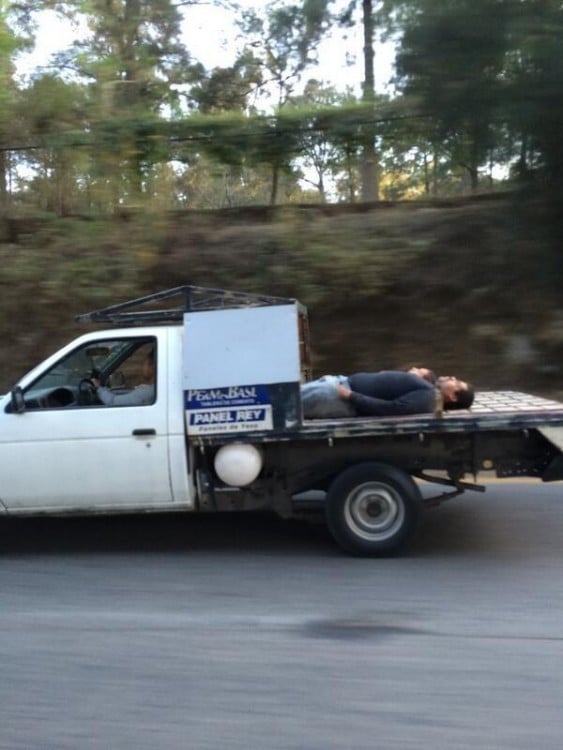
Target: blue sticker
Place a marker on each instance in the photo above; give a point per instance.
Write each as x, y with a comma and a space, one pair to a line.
232, 409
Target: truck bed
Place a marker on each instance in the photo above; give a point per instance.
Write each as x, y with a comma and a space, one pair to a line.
491, 410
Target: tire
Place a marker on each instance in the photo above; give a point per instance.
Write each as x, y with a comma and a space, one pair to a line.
373, 509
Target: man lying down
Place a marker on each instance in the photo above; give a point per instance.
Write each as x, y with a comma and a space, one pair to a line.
386, 393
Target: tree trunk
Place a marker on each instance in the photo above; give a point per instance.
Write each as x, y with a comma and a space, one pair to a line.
3, 180
275, 183
350, 177
321, 188
370, 187
426, 175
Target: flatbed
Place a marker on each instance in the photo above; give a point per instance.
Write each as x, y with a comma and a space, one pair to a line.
491, 410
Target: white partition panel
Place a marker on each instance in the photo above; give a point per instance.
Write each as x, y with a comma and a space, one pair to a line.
235, 363
240, 347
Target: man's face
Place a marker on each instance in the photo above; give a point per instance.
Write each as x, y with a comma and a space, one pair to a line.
148, 370
449, 385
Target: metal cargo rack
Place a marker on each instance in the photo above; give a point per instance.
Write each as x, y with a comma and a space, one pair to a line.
182, 299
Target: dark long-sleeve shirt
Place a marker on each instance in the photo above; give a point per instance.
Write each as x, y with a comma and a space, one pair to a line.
391, 393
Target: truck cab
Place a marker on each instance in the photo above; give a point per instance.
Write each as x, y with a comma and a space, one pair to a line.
63, 450
224, 363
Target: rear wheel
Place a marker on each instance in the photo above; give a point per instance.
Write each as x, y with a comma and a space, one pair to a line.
373, 509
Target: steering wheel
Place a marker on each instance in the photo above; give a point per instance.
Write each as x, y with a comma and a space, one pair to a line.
86, 393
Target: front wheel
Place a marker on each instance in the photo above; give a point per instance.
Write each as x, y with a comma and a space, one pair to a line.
373, 509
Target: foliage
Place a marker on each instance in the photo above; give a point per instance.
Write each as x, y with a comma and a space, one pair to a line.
535, 104
451, 59
130, 119
283, 40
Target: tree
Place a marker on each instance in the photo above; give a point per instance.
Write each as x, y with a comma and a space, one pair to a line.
228, 88
451, 59
283, 40
54, 112
10, 43
320, 154
536, 68
373, 15
135, 65
370, 190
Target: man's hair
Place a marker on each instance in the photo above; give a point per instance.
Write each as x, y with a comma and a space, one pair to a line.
464, 398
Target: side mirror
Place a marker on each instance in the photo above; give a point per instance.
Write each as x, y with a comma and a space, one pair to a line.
18, 401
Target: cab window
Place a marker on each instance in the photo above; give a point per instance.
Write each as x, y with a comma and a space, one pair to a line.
124, 369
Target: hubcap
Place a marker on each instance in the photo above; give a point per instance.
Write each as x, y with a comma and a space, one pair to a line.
374, 511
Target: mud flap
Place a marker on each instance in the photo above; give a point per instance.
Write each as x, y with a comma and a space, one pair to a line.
554, 471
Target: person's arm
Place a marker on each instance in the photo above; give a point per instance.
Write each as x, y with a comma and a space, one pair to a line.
413, 402
143, 394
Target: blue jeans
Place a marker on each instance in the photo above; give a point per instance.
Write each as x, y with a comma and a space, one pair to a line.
320, 398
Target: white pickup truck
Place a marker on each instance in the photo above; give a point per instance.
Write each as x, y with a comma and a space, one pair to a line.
223, 428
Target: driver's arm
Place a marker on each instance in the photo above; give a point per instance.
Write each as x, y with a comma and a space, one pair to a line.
143, 394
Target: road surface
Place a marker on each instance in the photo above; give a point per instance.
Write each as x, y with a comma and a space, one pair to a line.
253, 633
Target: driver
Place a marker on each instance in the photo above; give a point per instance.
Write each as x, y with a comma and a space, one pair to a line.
142, 394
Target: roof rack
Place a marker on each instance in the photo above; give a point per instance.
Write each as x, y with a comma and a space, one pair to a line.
191, 299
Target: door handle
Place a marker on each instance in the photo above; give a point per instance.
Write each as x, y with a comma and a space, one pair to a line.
143, 433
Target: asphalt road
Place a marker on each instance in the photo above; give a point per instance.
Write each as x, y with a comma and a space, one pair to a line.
255, 633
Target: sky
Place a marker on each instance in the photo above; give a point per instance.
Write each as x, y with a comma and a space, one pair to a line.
210, 36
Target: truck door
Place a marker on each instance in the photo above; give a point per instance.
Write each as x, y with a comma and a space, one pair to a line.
74, 449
